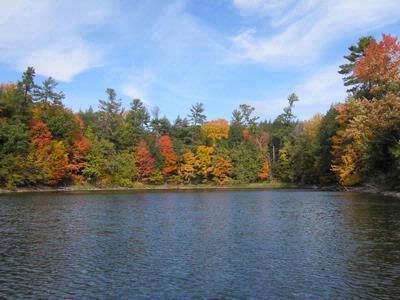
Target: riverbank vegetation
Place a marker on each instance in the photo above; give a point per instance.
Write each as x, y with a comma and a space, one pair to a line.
355, 142
140, 187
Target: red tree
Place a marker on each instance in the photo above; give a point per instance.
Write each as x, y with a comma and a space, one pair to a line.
56, 163
78, 156
144, 161
247, 135
50, 156
41, 135
261, 140
78, 152
170, 157
381, 62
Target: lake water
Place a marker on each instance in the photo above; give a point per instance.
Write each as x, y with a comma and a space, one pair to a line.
204, 244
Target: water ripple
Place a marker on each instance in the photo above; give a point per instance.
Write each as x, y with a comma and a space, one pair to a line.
207, 245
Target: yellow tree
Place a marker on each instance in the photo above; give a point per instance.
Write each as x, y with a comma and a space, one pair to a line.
56, 163
265, 173
286, 161
50, 156
187, 169
312, 126
217, 129
204, 161
351, 140
222, 169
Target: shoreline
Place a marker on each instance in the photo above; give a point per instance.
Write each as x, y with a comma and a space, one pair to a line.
371, 189
166, 187
175, 187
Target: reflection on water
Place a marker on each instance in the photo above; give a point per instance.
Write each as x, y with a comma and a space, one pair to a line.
225, 244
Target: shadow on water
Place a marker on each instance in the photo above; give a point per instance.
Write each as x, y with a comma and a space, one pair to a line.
208, 244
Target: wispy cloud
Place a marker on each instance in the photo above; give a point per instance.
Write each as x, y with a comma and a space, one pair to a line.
180, 34
309, 27
262, 7
319, 91
188, 54
51, 35
316, 92
61, 61
134, 92
174, 53
136, 85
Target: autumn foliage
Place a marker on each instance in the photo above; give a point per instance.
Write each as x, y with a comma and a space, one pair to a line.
144, 162
265, 173
366, 125
204, 161
7, 86
50, 156
78, 156
169, 155
187, 169
57, 163
41, 135
381, 61
356, 142
222, 169
261, 140
362, 125
217, 129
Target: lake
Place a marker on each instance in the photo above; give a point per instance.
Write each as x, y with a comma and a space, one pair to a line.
275, 244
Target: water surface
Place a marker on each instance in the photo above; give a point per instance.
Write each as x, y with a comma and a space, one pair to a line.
202, 244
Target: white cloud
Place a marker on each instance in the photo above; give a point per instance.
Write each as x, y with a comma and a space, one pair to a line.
269, 108
319, 91
189, 53
51, 35
137, 84
178, 32
63, 61
133, 92
308, 28
325, 84
268, 7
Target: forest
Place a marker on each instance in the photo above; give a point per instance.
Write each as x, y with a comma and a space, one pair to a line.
356, 142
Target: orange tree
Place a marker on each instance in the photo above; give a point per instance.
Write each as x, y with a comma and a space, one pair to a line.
144, 162
169, 155
217, 129
204, 162
222, 169
187, 169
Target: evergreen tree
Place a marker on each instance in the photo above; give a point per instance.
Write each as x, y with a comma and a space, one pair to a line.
47, 93
27, 85
197, 116
355, 87
110, 115
138, 116
244, 116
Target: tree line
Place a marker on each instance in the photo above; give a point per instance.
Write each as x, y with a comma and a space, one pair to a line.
354, 142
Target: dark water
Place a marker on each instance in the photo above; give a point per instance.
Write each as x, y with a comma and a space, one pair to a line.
213, 245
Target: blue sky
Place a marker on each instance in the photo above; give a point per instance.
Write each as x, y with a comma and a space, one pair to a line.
172, 54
